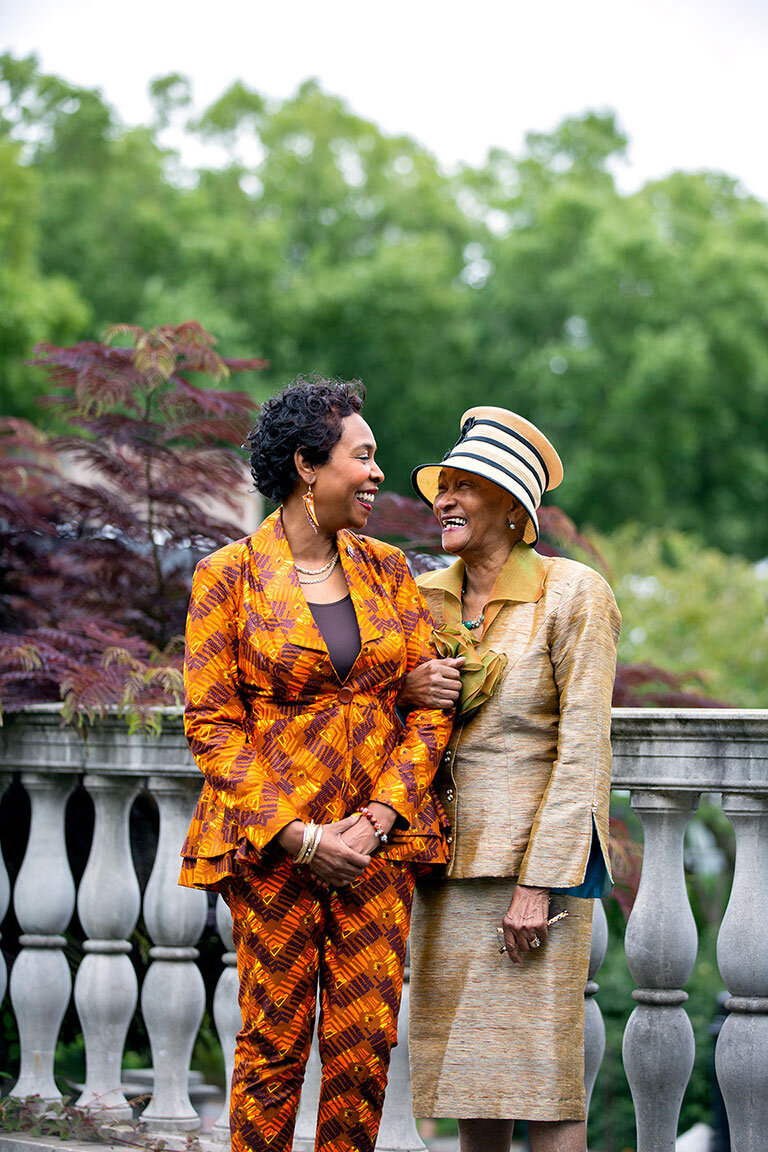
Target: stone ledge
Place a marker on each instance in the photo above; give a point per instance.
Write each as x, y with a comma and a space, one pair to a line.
19, 1142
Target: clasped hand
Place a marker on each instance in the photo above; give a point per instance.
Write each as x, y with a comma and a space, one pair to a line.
344, 851
433, 684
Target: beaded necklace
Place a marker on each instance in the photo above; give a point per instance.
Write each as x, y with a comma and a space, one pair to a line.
470, 623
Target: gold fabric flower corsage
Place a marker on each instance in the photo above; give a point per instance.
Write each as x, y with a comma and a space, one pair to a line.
480, 672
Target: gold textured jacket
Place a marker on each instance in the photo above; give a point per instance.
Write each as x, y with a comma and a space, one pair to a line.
526, 779
276, 734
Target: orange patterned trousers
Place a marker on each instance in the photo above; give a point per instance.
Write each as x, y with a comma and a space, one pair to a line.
289, 931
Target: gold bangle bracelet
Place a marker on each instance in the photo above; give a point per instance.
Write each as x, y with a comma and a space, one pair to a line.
318, 835
306, 843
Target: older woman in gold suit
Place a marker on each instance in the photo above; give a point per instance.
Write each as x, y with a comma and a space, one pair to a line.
497, 999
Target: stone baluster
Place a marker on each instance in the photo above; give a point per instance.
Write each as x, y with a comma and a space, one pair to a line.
741, 1056
661, 944
398, 1132
44, 900
173, 995
5, 898
594, 1028
108, 906
226, 1013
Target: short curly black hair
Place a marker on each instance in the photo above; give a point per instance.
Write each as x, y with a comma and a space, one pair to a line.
306, 415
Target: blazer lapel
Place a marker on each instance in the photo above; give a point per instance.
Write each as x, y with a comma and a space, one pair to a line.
286, 600
273, 564
368, 596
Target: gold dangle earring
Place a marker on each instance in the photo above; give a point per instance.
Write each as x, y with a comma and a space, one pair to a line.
309, 508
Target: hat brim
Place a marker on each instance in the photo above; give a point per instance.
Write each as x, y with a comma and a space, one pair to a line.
425, 479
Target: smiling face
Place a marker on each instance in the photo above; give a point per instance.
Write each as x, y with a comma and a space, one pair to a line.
474, 514
345, 487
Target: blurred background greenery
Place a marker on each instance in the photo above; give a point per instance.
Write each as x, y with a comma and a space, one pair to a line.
691, 609
632, 327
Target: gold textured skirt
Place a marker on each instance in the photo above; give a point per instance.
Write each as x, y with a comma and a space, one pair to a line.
487, 1039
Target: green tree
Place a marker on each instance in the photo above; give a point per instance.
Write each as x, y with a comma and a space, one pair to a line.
33, 306
692, 610
632, 328
105, 214
343, 251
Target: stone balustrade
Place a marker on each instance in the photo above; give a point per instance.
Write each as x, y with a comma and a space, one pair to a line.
666, 759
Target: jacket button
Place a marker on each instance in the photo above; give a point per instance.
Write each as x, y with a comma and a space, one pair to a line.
345, 695
450, 839
447, 756
449, 794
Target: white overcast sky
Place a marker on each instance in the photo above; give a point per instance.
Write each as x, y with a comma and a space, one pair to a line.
686, 77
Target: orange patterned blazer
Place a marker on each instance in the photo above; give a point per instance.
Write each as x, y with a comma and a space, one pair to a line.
272, 728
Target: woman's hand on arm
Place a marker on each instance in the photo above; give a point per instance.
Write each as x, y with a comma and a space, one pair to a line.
433, 684
525, 920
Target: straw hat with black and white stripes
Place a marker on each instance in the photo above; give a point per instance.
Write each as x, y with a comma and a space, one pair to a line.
502, 447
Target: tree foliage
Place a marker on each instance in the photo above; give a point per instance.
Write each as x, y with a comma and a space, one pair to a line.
100, 527
633, 328
692, 610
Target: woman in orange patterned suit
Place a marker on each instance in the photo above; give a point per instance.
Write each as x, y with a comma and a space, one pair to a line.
316, 802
